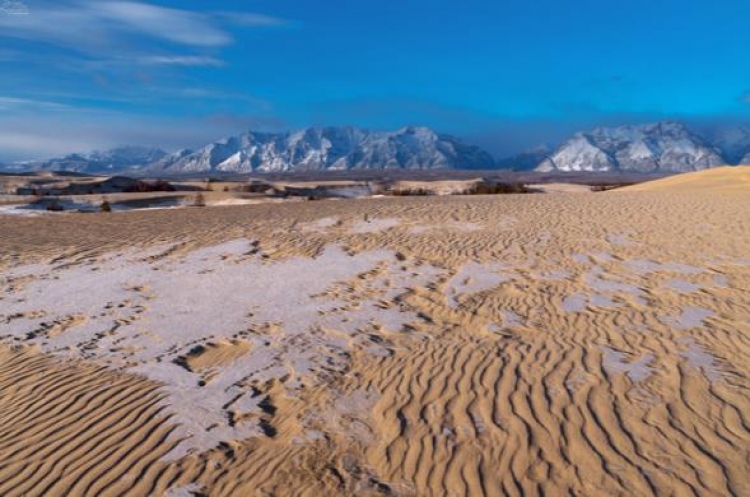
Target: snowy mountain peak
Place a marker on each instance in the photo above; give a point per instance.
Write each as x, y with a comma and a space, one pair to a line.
657, 147
330, 148
667, 146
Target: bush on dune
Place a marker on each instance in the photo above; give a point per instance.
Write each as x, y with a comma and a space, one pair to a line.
411, 192
146, 187
497, 189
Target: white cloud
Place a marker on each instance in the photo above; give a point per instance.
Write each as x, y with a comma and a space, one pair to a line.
181, 60
252, 19
112, 51
91, 26
13, 102
180, 26
117, 33
13, 8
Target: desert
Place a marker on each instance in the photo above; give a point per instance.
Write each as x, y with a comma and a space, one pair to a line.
557, 343
372, 248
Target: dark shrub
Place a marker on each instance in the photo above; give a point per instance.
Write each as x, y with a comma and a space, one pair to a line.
55, 206
497, 189
144, 187
411, 192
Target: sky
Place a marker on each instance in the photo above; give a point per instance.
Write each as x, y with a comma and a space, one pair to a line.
76, 75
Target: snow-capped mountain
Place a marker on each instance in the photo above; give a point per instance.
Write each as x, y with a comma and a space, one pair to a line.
329, 149
332, 148
116, 160
658, 147
734, 144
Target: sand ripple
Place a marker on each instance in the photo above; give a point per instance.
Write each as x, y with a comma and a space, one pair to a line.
597, 345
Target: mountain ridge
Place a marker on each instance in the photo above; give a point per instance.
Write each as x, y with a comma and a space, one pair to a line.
666, 146
112, 161
329, 148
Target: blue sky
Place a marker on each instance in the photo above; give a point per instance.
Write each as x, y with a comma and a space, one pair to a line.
82, 74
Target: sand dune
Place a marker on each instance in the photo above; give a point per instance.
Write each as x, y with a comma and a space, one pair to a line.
506, 345
77, 429
728, 179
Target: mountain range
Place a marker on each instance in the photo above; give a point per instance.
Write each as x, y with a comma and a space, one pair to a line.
659, 147
312, 149
116, 160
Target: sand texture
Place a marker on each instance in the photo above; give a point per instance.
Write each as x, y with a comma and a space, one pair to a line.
720, 180
566, 344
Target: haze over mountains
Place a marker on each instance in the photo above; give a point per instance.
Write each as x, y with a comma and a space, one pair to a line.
120, 159
659, 147
734, 144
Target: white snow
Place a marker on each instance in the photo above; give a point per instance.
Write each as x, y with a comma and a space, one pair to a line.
142, 314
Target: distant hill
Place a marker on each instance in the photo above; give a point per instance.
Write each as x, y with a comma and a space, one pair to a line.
727, 179
114, 161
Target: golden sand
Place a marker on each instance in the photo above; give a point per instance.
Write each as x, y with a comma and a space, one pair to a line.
721, 180
607, 355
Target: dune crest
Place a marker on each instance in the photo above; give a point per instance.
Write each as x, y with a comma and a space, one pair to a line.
727, 179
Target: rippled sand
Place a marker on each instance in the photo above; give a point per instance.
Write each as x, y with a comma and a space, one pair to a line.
581, 344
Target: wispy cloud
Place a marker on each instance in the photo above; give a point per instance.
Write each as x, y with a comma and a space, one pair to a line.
13, 8
13, 102
115, 40
745, 97
252, 19
101, 34
92, 25
181, 60
176, 25
118, 64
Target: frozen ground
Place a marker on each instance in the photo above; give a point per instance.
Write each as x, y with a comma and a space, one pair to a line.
292, 321
300, 316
